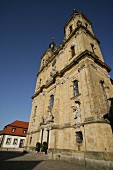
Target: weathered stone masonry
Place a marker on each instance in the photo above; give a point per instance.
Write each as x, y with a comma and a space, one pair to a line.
72, 100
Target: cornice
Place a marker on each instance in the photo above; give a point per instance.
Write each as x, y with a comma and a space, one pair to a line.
96, 121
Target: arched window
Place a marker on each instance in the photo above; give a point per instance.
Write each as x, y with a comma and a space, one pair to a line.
75, 87
51, 101
30, 140
35, 109
70, 29
79, 137
73, 51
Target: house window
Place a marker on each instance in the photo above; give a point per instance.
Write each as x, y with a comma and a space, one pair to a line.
21, 145
13, 130
73, 51
75, 87
51, 101
8, 142
15, 141
70, 29
30, 140
79, 137
24, 131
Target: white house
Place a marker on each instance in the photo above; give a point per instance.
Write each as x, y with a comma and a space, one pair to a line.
13, 135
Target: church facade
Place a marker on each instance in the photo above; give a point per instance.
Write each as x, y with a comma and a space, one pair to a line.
72, 104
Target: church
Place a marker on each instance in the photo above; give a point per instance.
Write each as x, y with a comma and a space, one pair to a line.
72, 106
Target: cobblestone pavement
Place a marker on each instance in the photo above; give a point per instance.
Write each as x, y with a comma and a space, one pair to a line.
32, 161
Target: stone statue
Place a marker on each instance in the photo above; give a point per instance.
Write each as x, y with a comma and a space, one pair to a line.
77, 115
53, 72
49, 117
41, 120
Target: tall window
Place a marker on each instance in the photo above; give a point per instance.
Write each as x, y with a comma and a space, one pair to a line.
35, 109
15, 141
86, 25
21, 145
79, 137
53, 63
73, 51
92, 47
51, 101
43, 62
70, 29
30, 140
75, 87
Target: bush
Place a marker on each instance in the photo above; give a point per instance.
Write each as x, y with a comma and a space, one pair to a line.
38, 146
44, 147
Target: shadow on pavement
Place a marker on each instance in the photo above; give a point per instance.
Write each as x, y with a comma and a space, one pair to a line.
15, 165
5, 155
18, 165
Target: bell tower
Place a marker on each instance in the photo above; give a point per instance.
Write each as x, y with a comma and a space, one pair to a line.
81, 28
92, 103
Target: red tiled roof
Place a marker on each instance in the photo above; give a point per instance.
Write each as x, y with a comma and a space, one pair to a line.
19, 123
19, 126
0, 132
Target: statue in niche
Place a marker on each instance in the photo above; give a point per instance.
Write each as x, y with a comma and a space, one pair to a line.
49, 117
77, 115
41, 120
53, 72
50, 79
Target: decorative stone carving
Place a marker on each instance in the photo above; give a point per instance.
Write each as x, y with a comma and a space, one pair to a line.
57, 82
38, 84
61, 52
81, 67
49, 126
89, 119
77, 115
41, 120
64, 80
46, 61
95, 67
49, 117
49, 80
53, 72
79, 23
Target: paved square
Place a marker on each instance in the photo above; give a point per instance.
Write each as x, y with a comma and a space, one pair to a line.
32, 161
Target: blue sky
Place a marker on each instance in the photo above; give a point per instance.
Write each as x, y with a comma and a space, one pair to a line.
27, 27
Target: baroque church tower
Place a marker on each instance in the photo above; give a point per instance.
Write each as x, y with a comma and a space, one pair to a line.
72, 102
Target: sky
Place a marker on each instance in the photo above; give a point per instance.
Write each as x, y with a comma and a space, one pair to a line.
26, 30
